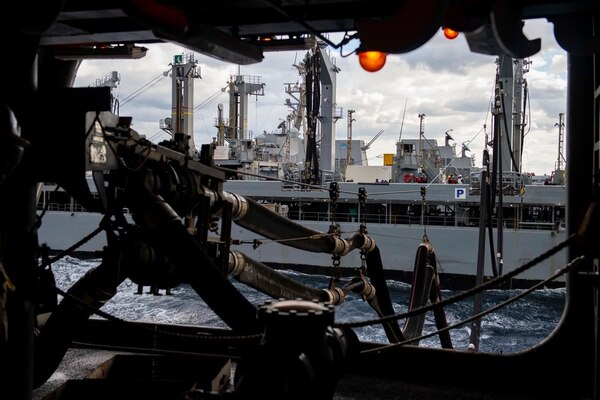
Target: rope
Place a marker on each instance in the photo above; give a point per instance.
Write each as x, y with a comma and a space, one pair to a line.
142, 89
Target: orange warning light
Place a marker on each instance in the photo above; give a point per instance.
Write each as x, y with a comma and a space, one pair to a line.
450, 33
371, 61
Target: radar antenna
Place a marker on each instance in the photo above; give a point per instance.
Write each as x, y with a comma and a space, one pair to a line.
465, 148
448, 138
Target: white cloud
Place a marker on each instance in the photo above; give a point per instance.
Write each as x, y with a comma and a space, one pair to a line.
442, 80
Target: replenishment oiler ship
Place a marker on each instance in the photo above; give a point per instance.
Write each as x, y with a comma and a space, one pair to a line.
427, 192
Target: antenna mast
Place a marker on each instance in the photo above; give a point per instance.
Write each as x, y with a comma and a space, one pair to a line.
561, 139
421, 141
349, 139
559, 172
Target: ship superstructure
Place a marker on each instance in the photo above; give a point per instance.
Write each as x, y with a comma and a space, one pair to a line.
303, 146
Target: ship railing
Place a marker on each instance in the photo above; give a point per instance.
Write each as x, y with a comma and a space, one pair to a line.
415, 219
546, 226
373, 218
64, 207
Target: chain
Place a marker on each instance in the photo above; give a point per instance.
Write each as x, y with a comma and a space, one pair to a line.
337, 271
423, 207
363, 263
334, 229
362, 199
334, 195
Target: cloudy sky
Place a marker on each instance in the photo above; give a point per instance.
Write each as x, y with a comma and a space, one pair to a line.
442, 80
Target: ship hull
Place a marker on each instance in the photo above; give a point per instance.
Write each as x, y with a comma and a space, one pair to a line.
455, 248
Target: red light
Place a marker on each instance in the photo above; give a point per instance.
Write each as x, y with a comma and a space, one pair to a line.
371, 61
450, 33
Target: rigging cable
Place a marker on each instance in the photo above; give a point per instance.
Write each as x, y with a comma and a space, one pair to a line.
210, 99
142, 89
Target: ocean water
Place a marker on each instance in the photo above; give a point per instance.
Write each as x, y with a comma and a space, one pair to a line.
518, 326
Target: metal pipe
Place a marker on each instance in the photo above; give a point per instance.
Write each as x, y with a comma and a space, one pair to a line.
265, 279
251, 215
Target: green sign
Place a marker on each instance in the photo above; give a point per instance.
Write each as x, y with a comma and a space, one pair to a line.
178, 59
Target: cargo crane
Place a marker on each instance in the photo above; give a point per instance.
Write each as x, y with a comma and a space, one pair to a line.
368, 145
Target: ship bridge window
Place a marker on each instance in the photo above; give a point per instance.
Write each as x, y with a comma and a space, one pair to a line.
408, 148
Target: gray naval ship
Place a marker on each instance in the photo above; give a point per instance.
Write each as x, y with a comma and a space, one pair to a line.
425, 192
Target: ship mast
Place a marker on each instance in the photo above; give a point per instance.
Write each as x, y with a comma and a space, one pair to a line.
320, 85
220, 126
327, 115
559, 172
511, 112
349, 141
240, 88
313, 95
183, 72
421, 141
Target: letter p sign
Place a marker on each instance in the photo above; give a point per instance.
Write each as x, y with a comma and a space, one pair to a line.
460, 193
